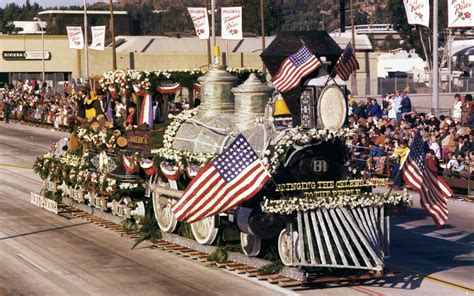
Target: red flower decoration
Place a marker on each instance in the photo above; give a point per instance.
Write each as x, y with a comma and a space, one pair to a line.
467, 15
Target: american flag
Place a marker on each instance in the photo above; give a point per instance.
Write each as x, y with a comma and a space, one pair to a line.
295, 67
346, 64
231, 178
434, 192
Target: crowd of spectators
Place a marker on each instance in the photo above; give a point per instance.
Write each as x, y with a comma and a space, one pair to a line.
35, 101
385, 131
385, 128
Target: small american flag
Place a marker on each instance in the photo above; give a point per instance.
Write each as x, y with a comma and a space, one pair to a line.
231, 178
346, 64
434, 191
294, 68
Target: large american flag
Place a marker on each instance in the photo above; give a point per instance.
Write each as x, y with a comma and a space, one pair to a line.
434, 191
231, 178
294, 68
346, 64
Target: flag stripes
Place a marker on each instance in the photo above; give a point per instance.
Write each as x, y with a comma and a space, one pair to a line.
294, 68
434, 192
346, 64
222, 184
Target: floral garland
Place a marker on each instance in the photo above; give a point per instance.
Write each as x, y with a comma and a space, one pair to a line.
97, 138
180, 157
292, 204
128, 80
273, 158
96, 182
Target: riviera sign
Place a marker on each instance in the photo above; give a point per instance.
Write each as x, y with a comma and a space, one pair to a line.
26, 55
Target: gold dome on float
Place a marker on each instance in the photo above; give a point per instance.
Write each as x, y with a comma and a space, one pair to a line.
280, 108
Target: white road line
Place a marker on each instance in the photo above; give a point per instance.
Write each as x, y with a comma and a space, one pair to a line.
32, 262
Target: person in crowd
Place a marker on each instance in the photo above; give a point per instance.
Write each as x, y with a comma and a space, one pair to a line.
457, 108
374, 109
405, 105
400, 153
6, 109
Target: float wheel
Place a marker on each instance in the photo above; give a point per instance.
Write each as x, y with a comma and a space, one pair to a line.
162, 205
205, 230
287, 249
251, 244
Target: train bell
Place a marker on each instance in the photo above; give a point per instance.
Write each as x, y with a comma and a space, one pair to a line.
280, 107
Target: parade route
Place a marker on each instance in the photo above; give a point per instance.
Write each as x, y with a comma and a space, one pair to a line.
45, 254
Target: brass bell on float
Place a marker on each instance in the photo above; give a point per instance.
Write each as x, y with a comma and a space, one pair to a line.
280, 108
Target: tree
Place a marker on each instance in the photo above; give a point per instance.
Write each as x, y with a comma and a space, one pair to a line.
411, 34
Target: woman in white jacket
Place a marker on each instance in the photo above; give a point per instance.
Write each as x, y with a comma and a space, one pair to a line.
457, 108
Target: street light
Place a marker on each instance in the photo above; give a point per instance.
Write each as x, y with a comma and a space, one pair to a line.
42, 39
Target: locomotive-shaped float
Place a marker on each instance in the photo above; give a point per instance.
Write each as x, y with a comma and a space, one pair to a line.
319, 213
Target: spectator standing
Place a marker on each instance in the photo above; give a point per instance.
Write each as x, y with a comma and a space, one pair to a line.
405, 105
457, 108
397, 104
401, 153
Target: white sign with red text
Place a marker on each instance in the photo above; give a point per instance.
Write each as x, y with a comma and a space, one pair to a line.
75, 37
460, 13
418, 12
200, 21
98, 38
231, 20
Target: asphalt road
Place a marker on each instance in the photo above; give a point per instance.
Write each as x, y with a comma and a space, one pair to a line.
45, 254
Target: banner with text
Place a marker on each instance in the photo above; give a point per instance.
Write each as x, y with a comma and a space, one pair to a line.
200, 21
460, 13
418, 12
75, 37
98, 38
231, 23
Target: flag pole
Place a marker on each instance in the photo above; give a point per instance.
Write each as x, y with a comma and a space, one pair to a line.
262, 28
434, 86
86, 43
112, 31
354, 73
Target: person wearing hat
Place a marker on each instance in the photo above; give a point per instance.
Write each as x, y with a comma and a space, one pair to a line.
81, 111
401, 153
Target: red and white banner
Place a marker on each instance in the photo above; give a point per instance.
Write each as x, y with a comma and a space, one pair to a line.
75, 37
231, 21
460, 13
200, 21
168, 88
418, 12
98, 38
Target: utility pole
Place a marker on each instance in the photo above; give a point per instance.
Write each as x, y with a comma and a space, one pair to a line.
354, 73
112, 31
213, 25
435, 74
208, 41
450, 59
86, 43
262, 28
42, 40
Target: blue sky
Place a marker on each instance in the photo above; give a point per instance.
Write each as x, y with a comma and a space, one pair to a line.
48, 3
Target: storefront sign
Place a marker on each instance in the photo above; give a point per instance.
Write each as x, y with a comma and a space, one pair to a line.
26, 55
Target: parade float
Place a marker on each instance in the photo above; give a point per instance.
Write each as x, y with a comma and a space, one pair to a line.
315, 209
